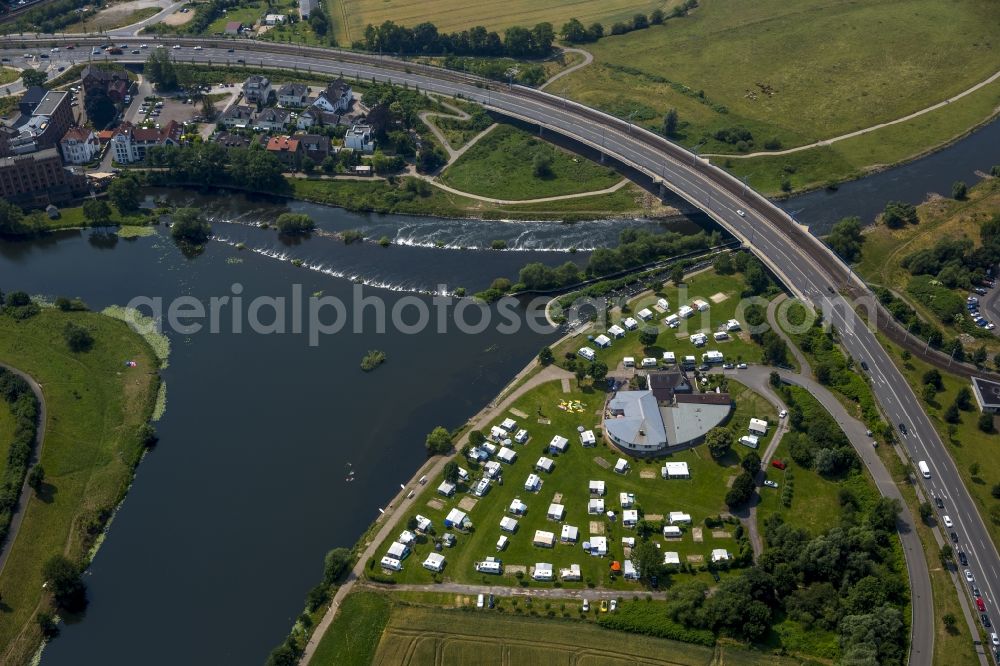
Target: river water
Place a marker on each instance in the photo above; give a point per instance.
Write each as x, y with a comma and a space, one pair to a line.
224, 530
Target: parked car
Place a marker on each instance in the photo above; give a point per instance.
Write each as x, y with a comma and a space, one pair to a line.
586, 606
492, 602
614, 607
604, 605
994, 639
741, 366
479, 601
770, 484
779, 464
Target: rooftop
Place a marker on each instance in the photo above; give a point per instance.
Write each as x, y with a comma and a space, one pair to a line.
987, 393
50, 102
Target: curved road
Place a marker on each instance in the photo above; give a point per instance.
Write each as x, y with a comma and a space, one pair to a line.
22, 500
806, 266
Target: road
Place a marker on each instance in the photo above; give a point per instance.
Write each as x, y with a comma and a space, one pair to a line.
806, 266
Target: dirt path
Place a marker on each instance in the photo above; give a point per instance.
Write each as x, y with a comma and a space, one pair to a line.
458, 114
851, 135
25, 496
593, 193
587, 59
430, 469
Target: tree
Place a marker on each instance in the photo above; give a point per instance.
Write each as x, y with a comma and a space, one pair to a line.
751, 463
451, 471
898, 214
741, 491
640, 21
946, 554
33, 77
926, 511
36, 477
124, 194
950, 621
541, 165
318, 21
928, 392
47, 624
100, 109
677, 275
974, 469
545, 356
963, 399
845, 238
986, 423
598, 371
979, 357
951, 414
647, 336
574, 32
335, 564
995, 491
97, 212
670, 123
77, 338
308, 165
476, 437
12, 219
647, 559
656, 17
189, 226
438, 441
719, 441
959, 190
933, 377
160, 69
294, 223
430, 159
65, 583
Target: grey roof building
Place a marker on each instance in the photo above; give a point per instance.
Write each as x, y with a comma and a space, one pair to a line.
987, 394
634, 422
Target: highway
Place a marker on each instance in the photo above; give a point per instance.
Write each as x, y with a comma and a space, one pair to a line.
798, 259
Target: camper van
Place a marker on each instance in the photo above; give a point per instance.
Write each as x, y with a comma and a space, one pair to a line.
924, 469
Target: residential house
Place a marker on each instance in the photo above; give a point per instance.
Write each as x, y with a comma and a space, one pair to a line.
272, 119
50, 119
237, 116
227, 140
360, 138
315, 116
305, 8
336, 98
38, 179
233, 28
79, 145
314, 146
257, 89
130, 143
293, 94
31, 98
112, 82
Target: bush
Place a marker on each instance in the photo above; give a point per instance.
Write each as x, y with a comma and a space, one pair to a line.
189, 226
294, 223
68, 589
78, 338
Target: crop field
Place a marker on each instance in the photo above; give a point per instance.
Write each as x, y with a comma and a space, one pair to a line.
435, 636
450, 15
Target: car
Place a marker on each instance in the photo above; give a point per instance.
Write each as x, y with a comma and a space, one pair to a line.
491, 602
741, 212
902, 428
586, 606
963, 558
985, 620
770, 484
96, 51
197, 48
240, 61
43, 55
939, 502
54, 49
123, 46
604, 605
783, 413
976, 592
778, 464
980, 604
143, 46
614, 607
175, 46
954, 537
135, 51
728, 366
230, 50
61, 68
994, 639
70, 47
947, 521
704, 367
968, 576
741, 366
479, 601
864, 366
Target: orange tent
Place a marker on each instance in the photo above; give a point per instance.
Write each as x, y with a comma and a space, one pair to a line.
616, 566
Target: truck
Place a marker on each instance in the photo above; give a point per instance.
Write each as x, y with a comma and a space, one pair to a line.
114, 51
924, 469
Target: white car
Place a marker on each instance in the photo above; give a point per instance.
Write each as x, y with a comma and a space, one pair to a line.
947, 521
176, 46
968, 576
586, 605
54, 50
614, 607
783, 413
197, 48
770, 484
741, 213
995, 639
143, 46
741, 366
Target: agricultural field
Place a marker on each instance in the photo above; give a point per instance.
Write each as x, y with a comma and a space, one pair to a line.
795, 73
502, 165
115, 16
351, 16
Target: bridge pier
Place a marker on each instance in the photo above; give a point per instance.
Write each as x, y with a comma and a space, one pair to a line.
540, 130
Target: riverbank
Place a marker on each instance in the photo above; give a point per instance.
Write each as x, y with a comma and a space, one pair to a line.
96, 407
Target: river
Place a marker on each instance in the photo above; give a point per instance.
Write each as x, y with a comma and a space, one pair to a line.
209, 559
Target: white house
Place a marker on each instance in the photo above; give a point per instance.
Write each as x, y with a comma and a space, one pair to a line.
569, 534
673, 321
481, 488
257, 89
676, 517
732, 325
507, 456
629, 572
447, 488
752, 441
490, 565
644, 314
758, 426
616, 331
544, 539
602, 341
360, 138
517, 507
406, 537
336, 98
621, 467
700, 304
671, 557
712, 356
630, 517
597, 487
508, 524
663, 304
670, 358
545, 464
559, 444
434, 562
556, 511
598, 546
630, 324
672, 532
595, 506
626, 499
423, 523
79, 145
720, 555
720, 336
509, 424
675, 470
272, 119
398, 551
572, 573
685, 311
587, 353
293, 94
543, 571
391, 563
587, 438
521, 437
457, 519
649, 362
533, 483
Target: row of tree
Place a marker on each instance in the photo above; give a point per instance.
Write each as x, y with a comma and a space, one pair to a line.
425, 39
211, 164
574, 32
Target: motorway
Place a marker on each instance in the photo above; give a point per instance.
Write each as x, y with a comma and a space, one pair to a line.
800, 261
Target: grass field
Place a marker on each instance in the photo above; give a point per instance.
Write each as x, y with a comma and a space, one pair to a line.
8, 74
356, 631
500, 165
112, 18
801, 72
885, 248
6, 431
351, 16
425, 636
95, 406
